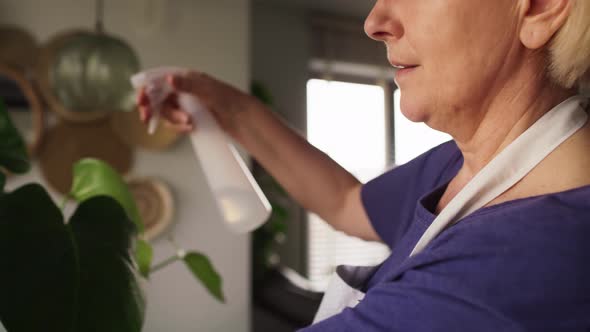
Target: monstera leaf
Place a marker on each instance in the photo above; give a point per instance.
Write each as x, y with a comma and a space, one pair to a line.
39, 271
58, 277
13, 151
93, 178
108, 285
77, 276
74, 277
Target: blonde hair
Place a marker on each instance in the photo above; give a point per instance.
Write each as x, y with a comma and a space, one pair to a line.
570, 48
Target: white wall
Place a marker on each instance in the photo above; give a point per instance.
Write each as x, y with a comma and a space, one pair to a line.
280, 57
211, 35
280, 61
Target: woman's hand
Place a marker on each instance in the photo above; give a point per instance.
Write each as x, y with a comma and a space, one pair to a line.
224, 102
313, 179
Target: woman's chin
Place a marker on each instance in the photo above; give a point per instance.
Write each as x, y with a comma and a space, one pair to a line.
413, 110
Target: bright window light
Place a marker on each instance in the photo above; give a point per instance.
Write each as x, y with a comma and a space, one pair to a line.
347, 121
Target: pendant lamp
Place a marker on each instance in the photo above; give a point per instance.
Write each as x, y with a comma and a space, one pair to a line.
90, 72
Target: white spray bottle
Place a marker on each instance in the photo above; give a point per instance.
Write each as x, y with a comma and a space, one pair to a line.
242, 203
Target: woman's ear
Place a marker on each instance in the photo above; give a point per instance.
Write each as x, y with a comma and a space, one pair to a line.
541, 20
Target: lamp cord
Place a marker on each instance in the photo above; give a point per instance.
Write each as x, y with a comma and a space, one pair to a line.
99, 12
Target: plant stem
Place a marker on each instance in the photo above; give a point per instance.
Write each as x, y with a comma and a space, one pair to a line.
164, 263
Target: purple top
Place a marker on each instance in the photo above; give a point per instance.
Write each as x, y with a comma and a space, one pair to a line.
522, 265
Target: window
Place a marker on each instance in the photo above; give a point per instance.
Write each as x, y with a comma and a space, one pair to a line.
347, 122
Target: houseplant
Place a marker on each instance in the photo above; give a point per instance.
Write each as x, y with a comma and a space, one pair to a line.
83, 275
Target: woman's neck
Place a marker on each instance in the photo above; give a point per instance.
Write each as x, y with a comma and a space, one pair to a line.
506, 117
503, 123
513, 110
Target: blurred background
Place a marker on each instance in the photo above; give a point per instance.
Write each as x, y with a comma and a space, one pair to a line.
309, 59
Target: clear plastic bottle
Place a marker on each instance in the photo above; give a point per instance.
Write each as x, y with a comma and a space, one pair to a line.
242, 203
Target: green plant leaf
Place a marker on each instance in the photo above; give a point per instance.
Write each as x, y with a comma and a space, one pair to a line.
279, 211
13, 151
144, 253
109, 295
70, 278
93, 177
38, 275
202, 268
258, 90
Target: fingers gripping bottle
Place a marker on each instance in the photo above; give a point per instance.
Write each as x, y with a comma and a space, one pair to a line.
242, 203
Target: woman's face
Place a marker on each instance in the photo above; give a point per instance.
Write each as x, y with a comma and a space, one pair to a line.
457, 51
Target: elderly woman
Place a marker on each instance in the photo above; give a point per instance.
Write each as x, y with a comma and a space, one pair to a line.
490, 231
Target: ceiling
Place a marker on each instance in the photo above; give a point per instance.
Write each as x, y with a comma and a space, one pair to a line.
357, 8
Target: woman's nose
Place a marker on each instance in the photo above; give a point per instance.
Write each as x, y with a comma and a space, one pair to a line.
382, 23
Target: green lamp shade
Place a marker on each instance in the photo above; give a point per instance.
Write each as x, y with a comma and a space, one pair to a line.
91, 73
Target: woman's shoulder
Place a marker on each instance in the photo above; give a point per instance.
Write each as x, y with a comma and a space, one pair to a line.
536, 246
390, 199
547, 229
568, 208
522, 259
